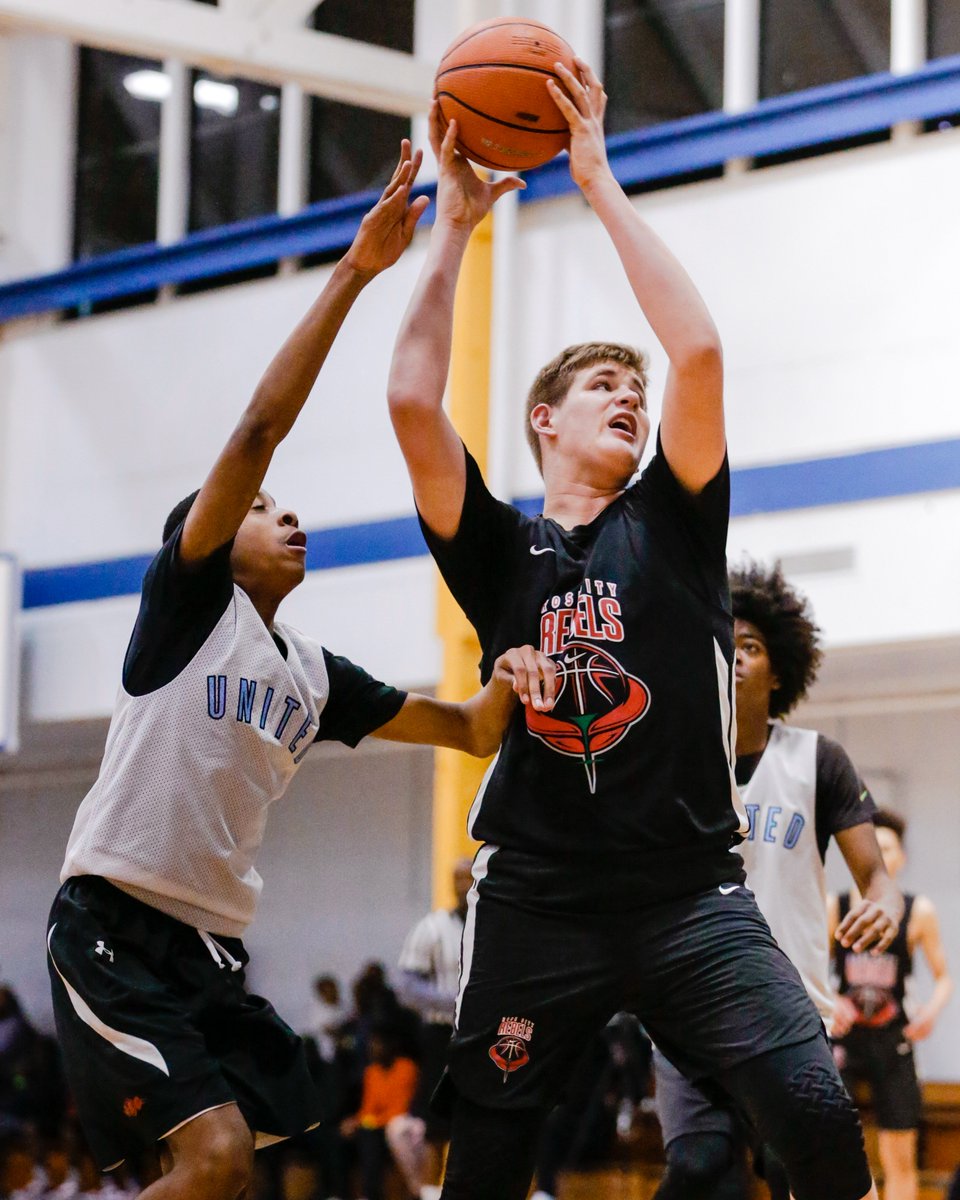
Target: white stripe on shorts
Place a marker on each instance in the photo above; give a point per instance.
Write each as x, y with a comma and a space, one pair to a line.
134, 1046
480, 865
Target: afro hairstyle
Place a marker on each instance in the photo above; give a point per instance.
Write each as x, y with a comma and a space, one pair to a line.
763, 597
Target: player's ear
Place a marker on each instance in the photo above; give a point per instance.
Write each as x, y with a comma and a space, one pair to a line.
541, 419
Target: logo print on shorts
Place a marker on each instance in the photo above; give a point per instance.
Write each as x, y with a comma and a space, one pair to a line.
132, 1106
597, 703
102, 949
510, 1052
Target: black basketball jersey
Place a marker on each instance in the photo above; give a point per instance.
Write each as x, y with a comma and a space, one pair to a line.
876, 983
634, 762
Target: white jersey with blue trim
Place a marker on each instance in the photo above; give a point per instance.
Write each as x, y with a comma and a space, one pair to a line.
177, 814
803, 791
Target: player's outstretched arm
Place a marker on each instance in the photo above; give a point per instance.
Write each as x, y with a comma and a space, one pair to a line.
237, 475
691, 426
477, 725
924, 931
872, 923
421, 359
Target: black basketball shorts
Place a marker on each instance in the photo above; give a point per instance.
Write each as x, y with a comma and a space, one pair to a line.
155, 1030
883, 1058
703, 973
685, 1107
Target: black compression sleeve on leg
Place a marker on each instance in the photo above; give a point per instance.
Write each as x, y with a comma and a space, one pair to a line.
492, 1152
798, 1106
703, 1166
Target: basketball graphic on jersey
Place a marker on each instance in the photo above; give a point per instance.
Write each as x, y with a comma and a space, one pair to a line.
597, 703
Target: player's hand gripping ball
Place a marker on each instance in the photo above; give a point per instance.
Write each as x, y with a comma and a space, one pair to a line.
492, 82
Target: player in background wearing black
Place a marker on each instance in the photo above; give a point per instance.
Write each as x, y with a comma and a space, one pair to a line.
875, 1034
607, 879
219, 704
799, 789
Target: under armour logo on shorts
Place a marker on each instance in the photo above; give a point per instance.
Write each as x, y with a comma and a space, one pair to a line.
102, 949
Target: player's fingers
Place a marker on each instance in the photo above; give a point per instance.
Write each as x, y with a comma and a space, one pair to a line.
548, 680
573, 85
567, 107
512, 183
587, 73
448, 145
414, 213
437, 127
416, 162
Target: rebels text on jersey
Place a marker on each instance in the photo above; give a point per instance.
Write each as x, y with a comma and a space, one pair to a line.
635, 759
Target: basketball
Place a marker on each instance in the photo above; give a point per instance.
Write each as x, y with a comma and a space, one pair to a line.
492, 82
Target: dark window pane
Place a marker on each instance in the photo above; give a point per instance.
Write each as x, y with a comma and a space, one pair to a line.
351, 149
663, 60
944, 18
388, 23
234, 150
806, 43
118, 148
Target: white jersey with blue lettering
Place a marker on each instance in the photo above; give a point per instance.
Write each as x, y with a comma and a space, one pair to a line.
798, 793
213, 718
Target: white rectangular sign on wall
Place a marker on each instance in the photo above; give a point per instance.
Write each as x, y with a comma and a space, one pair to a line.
9, 653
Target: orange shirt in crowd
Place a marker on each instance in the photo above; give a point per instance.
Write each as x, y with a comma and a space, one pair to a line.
387, 1092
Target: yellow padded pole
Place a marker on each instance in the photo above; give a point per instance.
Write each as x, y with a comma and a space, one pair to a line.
457, 776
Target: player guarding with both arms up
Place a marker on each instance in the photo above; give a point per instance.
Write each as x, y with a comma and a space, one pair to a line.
219, 705
607, 879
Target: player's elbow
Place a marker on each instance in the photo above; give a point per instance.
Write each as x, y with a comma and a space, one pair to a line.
702, 355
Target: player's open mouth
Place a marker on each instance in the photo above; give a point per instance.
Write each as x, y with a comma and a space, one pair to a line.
624, 423
297, 540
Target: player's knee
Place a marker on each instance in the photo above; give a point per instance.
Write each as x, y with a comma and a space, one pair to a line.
225, 1170
820, 1141
699, 1160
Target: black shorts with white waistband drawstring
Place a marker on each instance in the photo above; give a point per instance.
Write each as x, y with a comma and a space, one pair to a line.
156, 1026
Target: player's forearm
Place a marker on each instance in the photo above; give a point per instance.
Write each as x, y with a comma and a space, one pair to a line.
288, 380
665, 292
468, 726
940, 996
421, 358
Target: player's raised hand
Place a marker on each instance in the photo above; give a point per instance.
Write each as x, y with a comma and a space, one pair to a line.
387, 229
583, 102
531, 674
463, 197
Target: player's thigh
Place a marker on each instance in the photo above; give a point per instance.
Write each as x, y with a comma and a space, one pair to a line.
535, 989
712, 987
492, 1152
796, 1103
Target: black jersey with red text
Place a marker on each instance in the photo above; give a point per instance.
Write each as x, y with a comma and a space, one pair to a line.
876, 983
634, 762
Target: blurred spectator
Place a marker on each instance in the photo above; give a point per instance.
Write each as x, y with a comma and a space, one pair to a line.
389, 1084
21, 1176
62, 1180
326, 1016
32, 1091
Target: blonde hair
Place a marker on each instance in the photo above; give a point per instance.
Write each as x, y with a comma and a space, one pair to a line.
553, 381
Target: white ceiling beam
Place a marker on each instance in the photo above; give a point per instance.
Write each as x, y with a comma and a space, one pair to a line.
220, 41
281, 12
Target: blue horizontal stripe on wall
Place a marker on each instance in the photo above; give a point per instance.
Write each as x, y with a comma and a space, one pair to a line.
784, 123
845, 479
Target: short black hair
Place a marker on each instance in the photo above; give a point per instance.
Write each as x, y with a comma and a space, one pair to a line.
783, 615
178, 514
884, 818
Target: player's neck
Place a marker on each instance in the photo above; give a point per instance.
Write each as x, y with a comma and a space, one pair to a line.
753, 733
572, 502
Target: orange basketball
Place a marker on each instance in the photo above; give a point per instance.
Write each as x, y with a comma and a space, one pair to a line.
492, 82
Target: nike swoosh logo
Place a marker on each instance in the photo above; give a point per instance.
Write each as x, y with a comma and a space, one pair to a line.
542, 550
727, 888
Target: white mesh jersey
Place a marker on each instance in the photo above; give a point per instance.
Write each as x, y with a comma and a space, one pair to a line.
803, 790
213, 719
